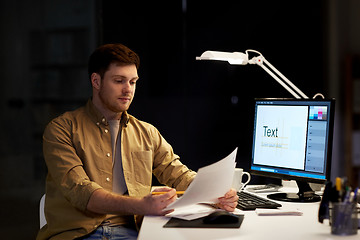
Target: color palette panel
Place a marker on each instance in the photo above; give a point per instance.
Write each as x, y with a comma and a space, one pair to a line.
318, 112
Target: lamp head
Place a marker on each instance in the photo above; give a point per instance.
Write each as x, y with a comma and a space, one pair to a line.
238, 58
234, 58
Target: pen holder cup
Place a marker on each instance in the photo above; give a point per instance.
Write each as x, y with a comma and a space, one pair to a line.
344, 218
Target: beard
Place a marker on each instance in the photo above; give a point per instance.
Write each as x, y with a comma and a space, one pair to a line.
113, 106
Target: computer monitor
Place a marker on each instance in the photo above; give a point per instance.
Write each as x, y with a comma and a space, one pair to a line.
292, 140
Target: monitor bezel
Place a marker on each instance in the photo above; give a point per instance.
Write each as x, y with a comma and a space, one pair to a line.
331, 115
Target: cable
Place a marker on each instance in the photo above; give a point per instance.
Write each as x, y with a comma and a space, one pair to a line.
318, 95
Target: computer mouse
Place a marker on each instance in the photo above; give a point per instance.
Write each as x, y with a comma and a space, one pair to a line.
221, 217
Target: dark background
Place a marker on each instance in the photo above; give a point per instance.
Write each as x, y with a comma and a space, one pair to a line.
191, 101
204, 109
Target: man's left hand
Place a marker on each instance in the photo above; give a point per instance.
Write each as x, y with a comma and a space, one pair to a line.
229, 201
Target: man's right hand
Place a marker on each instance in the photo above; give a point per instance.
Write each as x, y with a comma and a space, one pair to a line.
155, 204
105, 202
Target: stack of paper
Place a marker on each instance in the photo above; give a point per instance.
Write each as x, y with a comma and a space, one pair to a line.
210, 183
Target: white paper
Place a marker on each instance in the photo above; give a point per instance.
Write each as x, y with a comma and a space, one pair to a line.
192, 212
278, 212
210, 183
196, 211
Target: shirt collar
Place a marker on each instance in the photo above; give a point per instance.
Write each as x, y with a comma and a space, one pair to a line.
98, 118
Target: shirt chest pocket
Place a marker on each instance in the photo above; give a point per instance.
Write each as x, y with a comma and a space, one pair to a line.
142, 165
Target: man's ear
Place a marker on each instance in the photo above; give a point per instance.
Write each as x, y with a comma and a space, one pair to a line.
95, 80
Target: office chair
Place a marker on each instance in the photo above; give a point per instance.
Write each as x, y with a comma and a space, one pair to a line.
41, 212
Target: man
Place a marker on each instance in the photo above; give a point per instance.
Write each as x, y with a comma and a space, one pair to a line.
100, 159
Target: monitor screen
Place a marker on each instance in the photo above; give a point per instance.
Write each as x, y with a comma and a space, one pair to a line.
292, 139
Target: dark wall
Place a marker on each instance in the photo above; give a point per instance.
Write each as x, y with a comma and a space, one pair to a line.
204, 108
45, 45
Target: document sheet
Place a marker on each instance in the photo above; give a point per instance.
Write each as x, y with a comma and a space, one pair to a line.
210, 183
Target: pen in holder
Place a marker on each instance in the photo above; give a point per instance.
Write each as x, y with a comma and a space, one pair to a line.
344, 218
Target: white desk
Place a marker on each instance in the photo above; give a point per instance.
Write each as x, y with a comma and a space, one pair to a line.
305, 227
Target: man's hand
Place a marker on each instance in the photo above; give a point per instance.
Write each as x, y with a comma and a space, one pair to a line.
155, 204
229, 201
105, 202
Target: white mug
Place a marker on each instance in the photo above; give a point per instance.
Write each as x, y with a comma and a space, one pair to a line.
238, 183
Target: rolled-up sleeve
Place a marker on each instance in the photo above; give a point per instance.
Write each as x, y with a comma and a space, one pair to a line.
65, 167
168, 168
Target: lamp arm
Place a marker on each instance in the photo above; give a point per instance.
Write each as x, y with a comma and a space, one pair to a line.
260, 60
237, 58
280, 81
285, 79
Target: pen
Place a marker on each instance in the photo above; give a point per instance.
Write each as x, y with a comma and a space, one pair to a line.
356, 194
351, 197
159, 193
338, 188
338, 184
347, 196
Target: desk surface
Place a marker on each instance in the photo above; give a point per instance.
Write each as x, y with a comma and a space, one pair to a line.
305, 227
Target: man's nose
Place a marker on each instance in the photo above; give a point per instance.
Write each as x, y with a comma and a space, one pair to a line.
127, 87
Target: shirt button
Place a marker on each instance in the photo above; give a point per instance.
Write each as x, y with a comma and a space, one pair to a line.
108, 154
103, 120
108, 179
106, 131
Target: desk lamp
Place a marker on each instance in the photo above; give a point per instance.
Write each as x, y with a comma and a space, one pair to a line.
238, 58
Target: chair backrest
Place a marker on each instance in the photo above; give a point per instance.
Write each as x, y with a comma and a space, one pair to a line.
42, 212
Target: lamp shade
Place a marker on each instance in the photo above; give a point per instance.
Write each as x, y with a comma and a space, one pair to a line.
234, 58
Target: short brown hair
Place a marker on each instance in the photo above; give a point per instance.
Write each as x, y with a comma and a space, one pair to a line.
104, 55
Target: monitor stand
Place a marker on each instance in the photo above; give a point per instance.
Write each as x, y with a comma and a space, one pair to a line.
305, 194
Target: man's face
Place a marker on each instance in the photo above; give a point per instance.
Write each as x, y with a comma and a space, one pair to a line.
117, 88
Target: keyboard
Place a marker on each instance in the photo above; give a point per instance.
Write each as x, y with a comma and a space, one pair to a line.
248, 201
